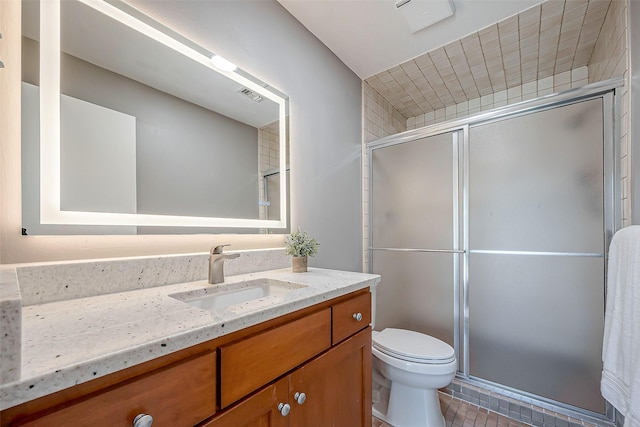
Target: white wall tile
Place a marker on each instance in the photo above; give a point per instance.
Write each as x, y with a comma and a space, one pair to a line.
545, 83
500, 96
530, 88
486, 100
580, 73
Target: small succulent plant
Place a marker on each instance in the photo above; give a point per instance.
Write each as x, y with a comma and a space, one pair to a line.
300, 244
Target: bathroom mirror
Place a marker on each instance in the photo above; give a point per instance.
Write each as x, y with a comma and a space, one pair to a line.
130, 128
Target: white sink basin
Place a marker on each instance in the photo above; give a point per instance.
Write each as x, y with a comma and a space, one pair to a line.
216, 297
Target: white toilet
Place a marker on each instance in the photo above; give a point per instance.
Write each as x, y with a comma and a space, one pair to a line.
408, 369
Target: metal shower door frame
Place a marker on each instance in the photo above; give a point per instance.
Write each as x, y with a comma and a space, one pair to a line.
609, 92
459, 135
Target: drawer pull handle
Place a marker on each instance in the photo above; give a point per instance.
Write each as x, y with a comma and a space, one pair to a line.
284, 409
143, 420
300, 397
357, 316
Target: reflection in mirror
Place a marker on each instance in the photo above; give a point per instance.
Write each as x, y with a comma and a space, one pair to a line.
143, 134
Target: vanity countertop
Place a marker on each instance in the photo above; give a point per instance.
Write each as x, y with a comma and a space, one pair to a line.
69, 342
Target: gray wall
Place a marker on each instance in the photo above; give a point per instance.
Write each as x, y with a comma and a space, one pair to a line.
634, 52
325, 103
185, 163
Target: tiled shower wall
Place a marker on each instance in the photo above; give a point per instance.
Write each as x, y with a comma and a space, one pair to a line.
553, 84
269, 146
268, 156
610, 58
379, 119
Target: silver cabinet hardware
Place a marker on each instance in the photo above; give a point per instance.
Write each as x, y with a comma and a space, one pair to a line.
300, 397
284, 409
143, 420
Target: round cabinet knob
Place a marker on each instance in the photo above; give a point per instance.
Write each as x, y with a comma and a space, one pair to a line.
284, 409
143, 420
300, 397
357, 316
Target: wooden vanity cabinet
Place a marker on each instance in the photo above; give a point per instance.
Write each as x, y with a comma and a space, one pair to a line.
332, 388
180, 394
350, 316
336, 387
244, 378
252, 362
258, 410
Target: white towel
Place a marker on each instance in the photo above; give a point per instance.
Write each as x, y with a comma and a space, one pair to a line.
620, 383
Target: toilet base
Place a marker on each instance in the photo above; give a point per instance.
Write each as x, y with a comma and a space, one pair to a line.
410, 407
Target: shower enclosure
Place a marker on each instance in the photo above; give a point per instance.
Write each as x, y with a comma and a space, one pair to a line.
491, 233
271, 199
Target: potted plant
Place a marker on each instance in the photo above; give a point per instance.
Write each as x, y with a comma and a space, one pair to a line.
300, 245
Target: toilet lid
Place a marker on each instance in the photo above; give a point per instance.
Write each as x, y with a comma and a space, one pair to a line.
413, 346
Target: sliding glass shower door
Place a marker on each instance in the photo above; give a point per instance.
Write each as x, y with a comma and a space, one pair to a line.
492, 237
415, 229
536, 263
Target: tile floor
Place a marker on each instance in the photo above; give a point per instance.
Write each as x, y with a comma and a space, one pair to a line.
458, 413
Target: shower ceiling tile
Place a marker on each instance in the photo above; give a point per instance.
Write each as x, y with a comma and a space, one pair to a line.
489, 33
511, 48
550, 38
458, 60
596, 11
409, 66
489, 45
570, 38
424, 61
529, 17
438, 55
454, 48
471, 42
529, 48
575, 13
508, 25
551, 8
531, 30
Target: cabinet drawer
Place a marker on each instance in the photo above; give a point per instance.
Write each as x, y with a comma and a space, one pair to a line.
345, 317
181, 394
250, 363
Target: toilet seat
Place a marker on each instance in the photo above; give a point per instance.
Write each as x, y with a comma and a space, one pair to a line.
413, 346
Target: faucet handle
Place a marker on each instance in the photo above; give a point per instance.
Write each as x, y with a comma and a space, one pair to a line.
218, 249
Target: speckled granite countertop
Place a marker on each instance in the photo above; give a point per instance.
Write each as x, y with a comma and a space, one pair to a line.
69, 342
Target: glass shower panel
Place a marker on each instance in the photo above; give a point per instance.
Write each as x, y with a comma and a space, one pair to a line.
272, 193
536, 324
416, 292
413, 194
536, 181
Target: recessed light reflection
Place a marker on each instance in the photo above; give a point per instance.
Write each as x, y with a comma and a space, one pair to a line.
222, 64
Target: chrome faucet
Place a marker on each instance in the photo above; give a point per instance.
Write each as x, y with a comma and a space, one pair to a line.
216, 264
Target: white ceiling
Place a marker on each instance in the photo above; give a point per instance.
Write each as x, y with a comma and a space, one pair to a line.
371, 36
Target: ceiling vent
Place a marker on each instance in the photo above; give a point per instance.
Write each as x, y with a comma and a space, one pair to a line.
250, 94
421, 14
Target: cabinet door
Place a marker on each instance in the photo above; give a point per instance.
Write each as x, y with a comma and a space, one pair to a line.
250, 363
350, 316
337, 386
258, 410
179, 395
